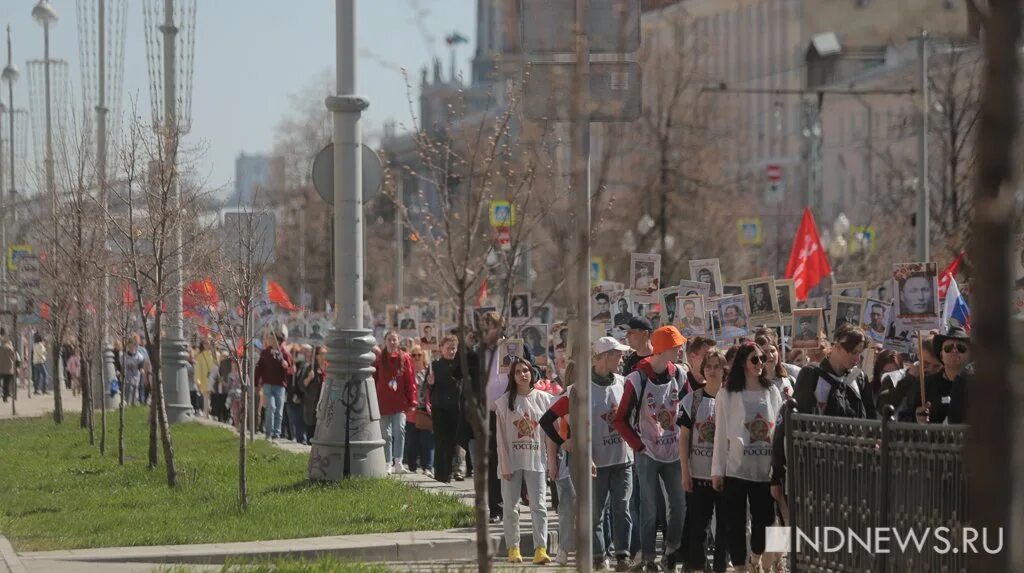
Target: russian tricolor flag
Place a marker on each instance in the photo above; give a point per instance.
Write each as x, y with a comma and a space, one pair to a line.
956, 311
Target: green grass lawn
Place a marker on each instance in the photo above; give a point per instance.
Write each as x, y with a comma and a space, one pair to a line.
57, 492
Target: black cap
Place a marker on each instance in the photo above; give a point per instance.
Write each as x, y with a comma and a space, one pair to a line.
640, 323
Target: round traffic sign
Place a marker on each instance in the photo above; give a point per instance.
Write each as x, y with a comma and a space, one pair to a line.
323, 173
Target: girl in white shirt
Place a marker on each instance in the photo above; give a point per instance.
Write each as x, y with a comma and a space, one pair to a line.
776, 371
746, 414
521, 457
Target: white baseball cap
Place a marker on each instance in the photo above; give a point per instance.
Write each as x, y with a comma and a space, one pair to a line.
607, 343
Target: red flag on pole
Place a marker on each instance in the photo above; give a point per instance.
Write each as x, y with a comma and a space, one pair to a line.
808, 263
481, 296
277, 295
948, 275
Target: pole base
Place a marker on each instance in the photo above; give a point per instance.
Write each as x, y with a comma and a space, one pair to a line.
348, 418
177, 401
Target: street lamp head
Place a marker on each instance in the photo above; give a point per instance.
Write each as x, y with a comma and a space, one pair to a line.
44, 13
10, 73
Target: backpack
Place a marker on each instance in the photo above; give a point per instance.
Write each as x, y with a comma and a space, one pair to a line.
634, 416
843, 401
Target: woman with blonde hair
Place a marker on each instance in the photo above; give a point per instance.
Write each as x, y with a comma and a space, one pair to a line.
419, 429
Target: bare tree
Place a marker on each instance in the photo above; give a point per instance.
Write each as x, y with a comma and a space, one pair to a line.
245, 255
954, 80
472, 158
145, 215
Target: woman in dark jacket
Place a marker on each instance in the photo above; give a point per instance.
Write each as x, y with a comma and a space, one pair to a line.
314, 383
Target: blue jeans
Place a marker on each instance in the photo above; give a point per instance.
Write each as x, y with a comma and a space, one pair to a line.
616, 481
566, 515
670, 475
297, 423
275, 410
392, 429
39, 378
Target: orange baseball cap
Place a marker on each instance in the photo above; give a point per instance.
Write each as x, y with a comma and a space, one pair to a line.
667, 338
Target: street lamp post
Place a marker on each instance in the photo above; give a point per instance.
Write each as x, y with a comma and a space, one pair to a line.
348, 441
174, 123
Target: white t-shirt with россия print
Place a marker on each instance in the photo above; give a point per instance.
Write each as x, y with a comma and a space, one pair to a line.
745, 424
520, 439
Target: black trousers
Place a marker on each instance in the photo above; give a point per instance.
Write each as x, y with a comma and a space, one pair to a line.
8, 385
700, 506
493, 480
446, 422
738, 494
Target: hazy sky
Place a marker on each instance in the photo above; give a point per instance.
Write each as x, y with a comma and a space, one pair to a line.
250, 55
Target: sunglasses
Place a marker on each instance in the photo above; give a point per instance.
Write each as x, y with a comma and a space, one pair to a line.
416, 355
758, 360
960, 347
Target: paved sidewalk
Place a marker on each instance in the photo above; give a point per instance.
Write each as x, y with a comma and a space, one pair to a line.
39, 405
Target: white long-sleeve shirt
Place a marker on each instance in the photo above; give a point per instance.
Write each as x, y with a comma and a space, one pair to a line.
745, 424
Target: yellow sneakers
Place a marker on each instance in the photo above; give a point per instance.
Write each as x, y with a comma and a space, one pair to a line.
514, 555
541, 557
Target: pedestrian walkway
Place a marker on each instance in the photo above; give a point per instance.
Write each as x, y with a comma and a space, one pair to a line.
38, 405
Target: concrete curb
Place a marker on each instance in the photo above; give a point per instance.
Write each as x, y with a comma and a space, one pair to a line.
9, 560
400, 547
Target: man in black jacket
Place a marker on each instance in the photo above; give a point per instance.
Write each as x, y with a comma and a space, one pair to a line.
445, 381
837, 387
946, 390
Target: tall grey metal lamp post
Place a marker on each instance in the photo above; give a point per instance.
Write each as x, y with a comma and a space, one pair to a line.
10, 75
174, 124
45, 15
103, 33
348, 441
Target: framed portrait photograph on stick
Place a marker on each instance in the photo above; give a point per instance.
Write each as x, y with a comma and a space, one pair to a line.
808, 326
690, 319
917, 296
785, 293
762, 306
709, 272
645, 277
846, 310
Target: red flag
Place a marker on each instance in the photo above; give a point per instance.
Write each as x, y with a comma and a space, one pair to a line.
948, 275
277, 295
127, 294
199, 295
808, 263
481, 295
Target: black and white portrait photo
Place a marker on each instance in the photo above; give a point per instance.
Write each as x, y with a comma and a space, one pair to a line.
846, 311
709, 272
645, 279
520, 307
535, 338
807, 325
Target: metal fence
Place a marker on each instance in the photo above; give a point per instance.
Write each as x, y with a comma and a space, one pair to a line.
857, 475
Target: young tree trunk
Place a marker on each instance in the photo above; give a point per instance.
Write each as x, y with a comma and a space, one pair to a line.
477, 416
87, 399
120, 428
243, 477
155, 366
103, 411
161, 409
990, 409
58, 402
154, 458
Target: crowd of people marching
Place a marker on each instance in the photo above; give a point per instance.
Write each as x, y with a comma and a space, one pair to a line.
687, 436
